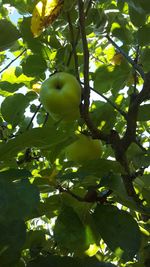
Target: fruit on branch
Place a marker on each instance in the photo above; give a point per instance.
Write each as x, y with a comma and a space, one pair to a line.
61, 95
85, 148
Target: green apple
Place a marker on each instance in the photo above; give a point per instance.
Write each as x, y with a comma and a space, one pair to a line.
85, 148
61, 96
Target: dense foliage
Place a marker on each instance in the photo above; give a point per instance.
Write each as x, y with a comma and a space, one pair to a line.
55, 212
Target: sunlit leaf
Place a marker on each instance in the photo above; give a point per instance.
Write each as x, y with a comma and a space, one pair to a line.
44, 14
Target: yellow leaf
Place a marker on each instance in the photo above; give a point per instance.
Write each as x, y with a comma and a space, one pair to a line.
36, 87
117, 59
44, 13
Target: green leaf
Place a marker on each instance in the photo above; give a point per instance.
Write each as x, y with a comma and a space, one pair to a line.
19, 199
100, 167
140, 6
14, 174
111, 77
141, 160
54, 43
33, 43
13, 108
34, 65
12, 238
42, 138
57, 261
144, 181
51, 206
123, 35
119, 230
28, 197
144, 113
143, 35
69, 231
103, 115
10, 76
34, 239
137, 16
8, 33
115, 183
9, 87
145, 59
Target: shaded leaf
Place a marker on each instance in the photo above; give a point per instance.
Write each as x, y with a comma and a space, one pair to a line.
45, 137
13, 108
144, 113
34, 44
34, 65
9, 87
14, 174
19, 199
8, 33
57, 261
12, 238
100, 167
143, 35
119, 230
69, 231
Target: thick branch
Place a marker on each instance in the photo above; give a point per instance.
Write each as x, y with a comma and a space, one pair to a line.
135, 101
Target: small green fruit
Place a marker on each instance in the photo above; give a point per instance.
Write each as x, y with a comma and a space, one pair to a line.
61, 95
85, 148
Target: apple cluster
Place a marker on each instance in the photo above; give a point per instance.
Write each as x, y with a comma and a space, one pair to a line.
61, 96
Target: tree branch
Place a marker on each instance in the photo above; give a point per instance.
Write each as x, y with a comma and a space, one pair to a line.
73, 45
110, 102
86, 92
13, 60
135, 101
132, 62
78, 33
33, 117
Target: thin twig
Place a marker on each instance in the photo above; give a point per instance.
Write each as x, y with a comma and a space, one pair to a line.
132, 62
135, 73
110, 102
73, 45
86, 92
13, 60
33, 117
78, 33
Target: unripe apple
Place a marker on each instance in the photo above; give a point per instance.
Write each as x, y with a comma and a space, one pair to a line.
61, 95
85, 148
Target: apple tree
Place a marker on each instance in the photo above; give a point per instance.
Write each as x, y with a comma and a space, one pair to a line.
75, 191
